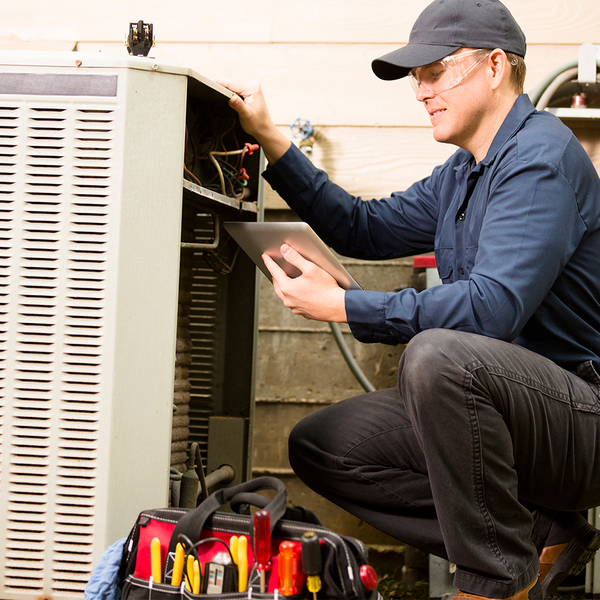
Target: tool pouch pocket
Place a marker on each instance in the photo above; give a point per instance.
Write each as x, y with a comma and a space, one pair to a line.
141, 589
210, 530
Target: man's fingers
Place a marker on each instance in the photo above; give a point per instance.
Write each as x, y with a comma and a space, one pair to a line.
234, 86
273, 267
225, 83
291, 256
294, 258
314, 295
244, 89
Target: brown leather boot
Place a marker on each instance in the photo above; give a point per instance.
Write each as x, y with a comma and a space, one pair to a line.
556, 562
531, 592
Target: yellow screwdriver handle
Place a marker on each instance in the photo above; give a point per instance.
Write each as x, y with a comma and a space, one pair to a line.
155, 560
178, 565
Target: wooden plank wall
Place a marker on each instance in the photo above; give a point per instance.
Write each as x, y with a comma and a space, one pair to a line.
313, 60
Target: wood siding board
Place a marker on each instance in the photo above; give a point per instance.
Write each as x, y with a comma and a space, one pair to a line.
340, 91
373, 162
342, 21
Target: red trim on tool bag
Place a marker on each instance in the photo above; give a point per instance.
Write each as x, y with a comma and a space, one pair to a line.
163, 532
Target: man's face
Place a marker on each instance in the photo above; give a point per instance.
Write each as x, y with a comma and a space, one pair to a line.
455, 93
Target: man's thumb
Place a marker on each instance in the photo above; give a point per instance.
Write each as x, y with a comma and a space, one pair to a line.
289, 253
235, 101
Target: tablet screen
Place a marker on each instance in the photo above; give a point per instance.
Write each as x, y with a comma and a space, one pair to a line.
267, 238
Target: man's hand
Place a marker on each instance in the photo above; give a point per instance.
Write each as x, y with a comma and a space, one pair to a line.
255, 118
315, 294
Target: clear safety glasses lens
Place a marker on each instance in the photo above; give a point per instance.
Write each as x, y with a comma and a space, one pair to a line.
445, 74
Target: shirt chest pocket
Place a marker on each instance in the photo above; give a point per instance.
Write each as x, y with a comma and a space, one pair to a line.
453, 265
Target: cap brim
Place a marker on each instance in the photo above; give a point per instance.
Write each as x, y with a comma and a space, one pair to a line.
399, 63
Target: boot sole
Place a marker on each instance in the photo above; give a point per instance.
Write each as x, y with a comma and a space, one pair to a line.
571, 561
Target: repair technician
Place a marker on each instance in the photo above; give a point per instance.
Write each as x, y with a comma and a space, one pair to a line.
490, 443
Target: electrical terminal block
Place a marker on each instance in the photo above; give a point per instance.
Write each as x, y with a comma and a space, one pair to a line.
140, 38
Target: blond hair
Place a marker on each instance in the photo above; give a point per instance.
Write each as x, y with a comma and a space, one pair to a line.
518, 70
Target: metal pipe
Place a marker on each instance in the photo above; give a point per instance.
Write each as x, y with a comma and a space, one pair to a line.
211, 245
223, 474
563, 77
360, 376
190, 480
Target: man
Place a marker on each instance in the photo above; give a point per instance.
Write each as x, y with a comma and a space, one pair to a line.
490, 443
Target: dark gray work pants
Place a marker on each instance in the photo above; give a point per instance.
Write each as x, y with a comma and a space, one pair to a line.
468, 458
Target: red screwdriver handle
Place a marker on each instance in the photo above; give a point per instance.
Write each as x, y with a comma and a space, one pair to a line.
262, 540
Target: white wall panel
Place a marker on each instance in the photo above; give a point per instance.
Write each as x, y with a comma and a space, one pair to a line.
290, 21
373, 162
327, 84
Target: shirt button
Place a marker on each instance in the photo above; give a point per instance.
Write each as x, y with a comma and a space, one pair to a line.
461, 217
461, 271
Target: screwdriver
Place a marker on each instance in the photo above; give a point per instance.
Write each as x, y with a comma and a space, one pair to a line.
242, 563
189, 569
262, 544
155, 560
233, 546
178, 565
196, 577
288, 568
368, 576
311, 561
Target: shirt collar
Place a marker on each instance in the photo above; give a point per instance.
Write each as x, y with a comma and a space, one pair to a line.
519, 113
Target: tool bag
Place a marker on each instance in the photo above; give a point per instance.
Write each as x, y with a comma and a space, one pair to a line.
345, 573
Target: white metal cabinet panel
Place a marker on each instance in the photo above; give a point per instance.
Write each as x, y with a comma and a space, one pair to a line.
90, 215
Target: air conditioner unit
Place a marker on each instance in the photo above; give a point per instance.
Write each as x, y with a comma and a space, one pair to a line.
91, 172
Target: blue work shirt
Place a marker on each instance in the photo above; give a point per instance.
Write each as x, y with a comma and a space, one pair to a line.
516, 240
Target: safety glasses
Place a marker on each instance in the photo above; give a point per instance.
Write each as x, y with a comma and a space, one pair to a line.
447, 73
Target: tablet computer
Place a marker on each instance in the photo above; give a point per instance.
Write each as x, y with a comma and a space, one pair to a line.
261, 238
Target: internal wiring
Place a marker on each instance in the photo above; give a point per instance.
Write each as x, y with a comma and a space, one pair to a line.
214, 160
214, 260
234, 175
210, 139
191, 176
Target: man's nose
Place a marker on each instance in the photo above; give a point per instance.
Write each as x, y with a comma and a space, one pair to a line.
423, 93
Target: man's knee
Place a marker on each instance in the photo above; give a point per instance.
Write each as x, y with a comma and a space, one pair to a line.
432, 368
303, 444
428, 352
296, 440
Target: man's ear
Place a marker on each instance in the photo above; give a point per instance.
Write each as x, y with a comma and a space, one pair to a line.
498, 62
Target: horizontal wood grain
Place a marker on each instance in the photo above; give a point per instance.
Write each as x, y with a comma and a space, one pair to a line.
288, 21
373, 162
326, 84
313, 60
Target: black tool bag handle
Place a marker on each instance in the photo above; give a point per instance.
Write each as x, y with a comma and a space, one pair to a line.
192, 523
242, 502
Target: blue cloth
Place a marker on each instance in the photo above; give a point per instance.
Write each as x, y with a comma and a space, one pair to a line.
516, 240
103, 584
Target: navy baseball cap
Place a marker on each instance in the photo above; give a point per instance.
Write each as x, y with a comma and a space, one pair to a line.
448, 25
